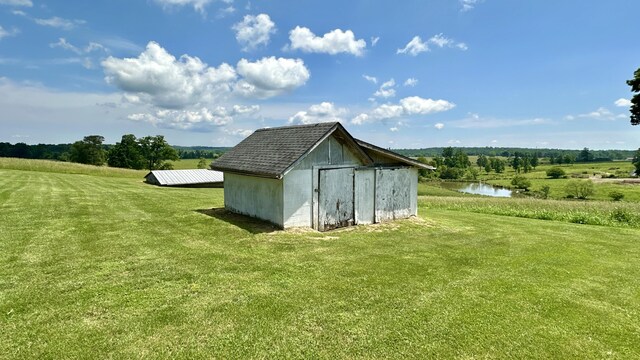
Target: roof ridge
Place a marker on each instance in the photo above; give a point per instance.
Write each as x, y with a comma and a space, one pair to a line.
329, 124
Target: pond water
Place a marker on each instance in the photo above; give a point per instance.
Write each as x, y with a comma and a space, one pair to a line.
479, 189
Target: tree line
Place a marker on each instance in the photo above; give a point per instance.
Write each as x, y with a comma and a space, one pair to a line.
506, 152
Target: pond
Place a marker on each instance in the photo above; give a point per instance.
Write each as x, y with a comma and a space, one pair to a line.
478, 189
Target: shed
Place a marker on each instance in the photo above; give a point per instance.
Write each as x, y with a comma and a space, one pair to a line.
195, 177
317, 176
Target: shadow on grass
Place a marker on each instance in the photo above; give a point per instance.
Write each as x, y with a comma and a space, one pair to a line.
252, 225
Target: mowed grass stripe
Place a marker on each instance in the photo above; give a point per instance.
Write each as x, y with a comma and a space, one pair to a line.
113, 267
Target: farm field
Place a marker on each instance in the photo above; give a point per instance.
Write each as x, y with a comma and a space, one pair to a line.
94, 261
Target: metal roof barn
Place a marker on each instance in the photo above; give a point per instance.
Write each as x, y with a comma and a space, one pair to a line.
185, 177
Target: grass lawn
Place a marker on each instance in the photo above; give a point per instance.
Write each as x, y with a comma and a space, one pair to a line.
109, 267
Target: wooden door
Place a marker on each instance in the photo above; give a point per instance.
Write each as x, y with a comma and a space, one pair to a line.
335, 198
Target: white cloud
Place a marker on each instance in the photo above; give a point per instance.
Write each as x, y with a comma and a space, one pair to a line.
441, 41
224, 12
601, 113
323, 112
4, 33
202, 119
254, 31
439, 126
411, 82
62, 43
371, 79
26, 3
386, 90
416, 105
414, 47
409, 106
198, 5
417, 46
239, 132
60, 23
452, 142
19, 13
374, 40
269, 77
475, 121
394, 129
622, 102
164, 81
334, 42
468, 4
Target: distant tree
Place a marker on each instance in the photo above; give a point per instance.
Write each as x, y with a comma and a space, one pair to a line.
545, 191
20, 150
126, 154
88, 151
555, 172
487, 167
534, 160
482, 161
516, 162
526, 163
579, 189
423, 172
584, 156
521, 182
635, 100
155, 151
203, 163
568, 159
498, 165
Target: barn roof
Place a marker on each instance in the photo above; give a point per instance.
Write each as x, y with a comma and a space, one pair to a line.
271, 152
186, 177
372, 149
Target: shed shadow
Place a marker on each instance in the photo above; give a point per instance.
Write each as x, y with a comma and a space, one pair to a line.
247, 223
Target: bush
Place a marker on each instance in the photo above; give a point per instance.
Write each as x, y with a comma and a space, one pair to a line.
579, 189
616, 195
545, 191
521, 182
555, 173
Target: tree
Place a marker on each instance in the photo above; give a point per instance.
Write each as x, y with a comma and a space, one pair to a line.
155, 151
521, 182
585, 155
635, 100
203, 163
88, 151
423, 172
126, 154
636, 162
579, 189
568, 159
555, 172
534, 160
482, 161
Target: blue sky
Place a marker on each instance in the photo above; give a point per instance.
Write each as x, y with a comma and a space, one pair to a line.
400, 74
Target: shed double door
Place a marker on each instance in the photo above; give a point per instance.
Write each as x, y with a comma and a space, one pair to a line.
335, 198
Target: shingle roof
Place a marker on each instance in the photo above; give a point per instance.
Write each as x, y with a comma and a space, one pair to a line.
186, 177
270, 152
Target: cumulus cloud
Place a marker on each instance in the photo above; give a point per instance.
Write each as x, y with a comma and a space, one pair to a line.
323, 112
198, 5
393, 129
371, 79
167, 82
334, 42
622, 102
409, 106
202, 119
6, 33
386, 90
417, 46
374, 40
411, 82
239, 132
58, 22
601, 113
254, 31
439, 126
270, 76
26, 3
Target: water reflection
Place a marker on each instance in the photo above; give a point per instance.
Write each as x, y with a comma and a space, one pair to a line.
483, 189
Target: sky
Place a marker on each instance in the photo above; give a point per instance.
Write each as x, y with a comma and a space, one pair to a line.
399, 74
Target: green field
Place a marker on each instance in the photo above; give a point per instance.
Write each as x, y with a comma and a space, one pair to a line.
95, 263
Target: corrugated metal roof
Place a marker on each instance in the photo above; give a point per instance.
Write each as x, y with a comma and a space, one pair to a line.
186, 177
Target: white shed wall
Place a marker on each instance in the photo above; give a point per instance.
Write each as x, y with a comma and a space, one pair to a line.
254, 196
364, 196
300, 199
396, 193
